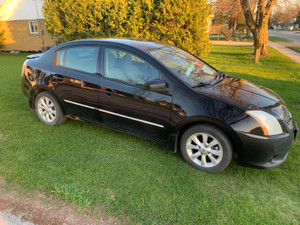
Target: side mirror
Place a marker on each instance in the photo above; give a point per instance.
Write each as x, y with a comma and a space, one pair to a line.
156, 85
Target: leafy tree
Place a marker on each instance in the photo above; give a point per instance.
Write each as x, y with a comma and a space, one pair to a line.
2, 38
258, 25
285, 12
229, 12
180, 22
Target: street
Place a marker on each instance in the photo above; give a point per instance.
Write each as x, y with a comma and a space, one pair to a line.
292, 35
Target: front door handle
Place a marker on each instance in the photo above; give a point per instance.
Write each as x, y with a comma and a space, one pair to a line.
108, 91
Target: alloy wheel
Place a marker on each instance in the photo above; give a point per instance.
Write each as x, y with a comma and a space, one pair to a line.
204, 150
46, 109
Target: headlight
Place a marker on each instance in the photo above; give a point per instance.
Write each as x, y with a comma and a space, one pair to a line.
268, 123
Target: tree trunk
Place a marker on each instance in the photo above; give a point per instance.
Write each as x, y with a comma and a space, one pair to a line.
259, 25
233, 27
247, 32
261, 38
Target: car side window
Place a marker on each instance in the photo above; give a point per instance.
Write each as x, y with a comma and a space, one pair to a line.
82, 58
128, 67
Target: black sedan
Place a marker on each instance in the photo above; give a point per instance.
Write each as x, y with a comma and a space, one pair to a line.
163, 93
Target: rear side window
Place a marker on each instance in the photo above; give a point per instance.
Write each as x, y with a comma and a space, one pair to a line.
83, 58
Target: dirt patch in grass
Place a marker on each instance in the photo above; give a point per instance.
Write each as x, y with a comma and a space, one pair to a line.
43, 210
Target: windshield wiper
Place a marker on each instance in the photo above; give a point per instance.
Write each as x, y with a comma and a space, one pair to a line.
201, 84
218, 78
220, 75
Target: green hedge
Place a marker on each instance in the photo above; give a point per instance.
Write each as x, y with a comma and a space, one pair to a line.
183, 23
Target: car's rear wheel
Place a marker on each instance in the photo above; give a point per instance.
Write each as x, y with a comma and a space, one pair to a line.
206, 148
48, 109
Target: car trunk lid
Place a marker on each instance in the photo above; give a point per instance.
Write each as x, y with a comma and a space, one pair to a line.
34, 56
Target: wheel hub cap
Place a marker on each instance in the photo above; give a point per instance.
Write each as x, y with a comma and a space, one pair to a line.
46, 109
204, 149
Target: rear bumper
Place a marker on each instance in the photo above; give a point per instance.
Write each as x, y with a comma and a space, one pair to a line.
265, 151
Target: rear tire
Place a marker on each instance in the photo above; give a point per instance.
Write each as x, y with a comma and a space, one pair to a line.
206, 148
48, 109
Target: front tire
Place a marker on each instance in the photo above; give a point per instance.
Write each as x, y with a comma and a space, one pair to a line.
206, 148
48, 109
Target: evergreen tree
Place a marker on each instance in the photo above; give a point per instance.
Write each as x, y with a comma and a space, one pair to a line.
183, 23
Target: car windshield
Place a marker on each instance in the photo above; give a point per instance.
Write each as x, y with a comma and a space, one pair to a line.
186, 66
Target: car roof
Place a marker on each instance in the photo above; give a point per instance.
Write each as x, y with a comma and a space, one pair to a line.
144, 45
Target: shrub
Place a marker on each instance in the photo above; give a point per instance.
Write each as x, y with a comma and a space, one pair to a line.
180, 22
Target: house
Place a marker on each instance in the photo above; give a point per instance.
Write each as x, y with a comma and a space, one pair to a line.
24, 26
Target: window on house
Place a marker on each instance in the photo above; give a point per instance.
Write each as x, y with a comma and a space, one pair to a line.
33, 27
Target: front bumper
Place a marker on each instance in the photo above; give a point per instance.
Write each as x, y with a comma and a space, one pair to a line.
265, 151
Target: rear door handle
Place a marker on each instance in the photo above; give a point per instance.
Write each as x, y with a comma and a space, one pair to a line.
57, 77
108, 91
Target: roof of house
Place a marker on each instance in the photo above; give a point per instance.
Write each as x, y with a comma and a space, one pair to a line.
21, 10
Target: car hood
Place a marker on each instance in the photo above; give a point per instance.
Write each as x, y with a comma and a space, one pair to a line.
243, 93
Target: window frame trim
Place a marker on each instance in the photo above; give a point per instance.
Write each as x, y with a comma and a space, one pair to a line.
29, 25
160, 73
65, 48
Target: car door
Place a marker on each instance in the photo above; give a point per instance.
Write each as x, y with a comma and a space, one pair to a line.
123, 101
75, 81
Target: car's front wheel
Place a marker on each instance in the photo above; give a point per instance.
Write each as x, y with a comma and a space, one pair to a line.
48, 109
206, 148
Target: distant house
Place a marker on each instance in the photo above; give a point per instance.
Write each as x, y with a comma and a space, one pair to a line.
24, 25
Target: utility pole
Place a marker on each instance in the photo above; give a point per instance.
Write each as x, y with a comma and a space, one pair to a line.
39, 24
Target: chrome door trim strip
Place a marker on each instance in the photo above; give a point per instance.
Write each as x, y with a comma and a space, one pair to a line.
115, 114
79, 104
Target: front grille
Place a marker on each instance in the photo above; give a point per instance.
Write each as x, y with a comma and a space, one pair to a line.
288, 119
283, 114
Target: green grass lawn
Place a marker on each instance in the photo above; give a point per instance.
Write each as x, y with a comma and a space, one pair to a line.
137, 180
278, 39
295, 48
